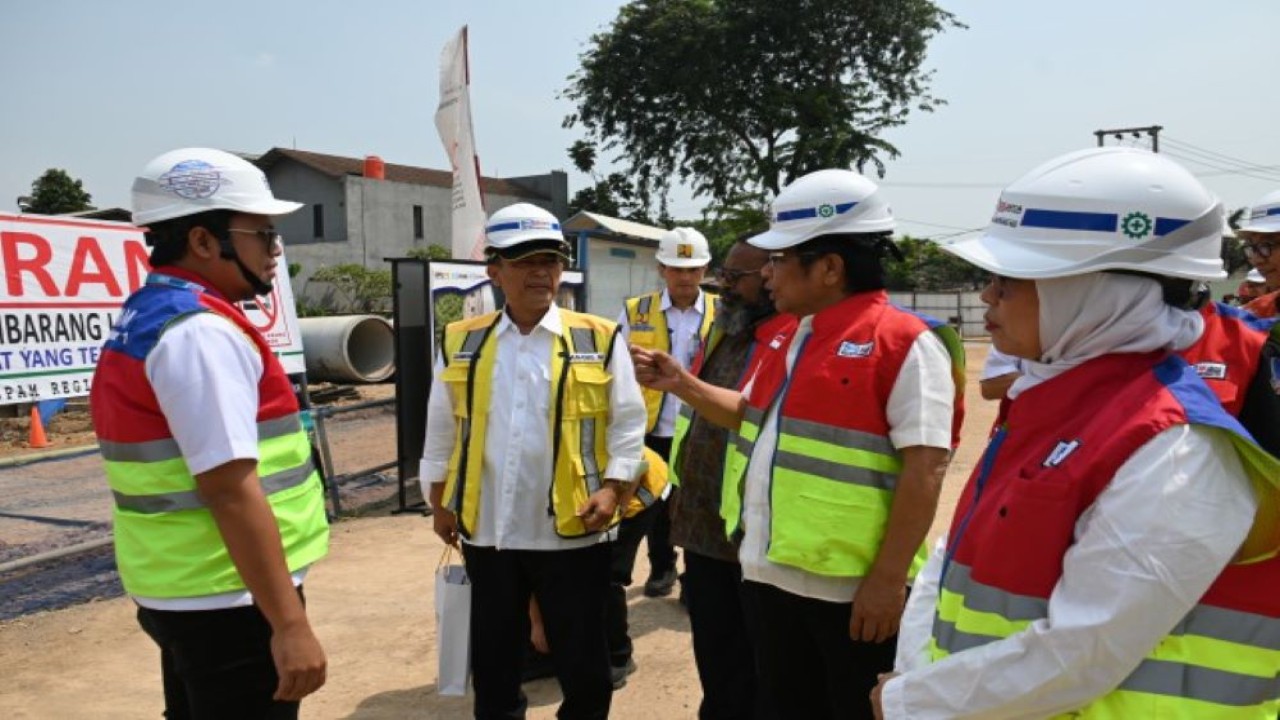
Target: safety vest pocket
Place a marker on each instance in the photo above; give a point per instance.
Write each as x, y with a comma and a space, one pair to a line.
454, 378
826, 528
588, 392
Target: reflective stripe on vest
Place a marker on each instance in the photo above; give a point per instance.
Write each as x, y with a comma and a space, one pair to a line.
1215, 656
190, 499
167, 448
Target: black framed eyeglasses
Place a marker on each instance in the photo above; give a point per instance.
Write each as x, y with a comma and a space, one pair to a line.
730, 276
268, 236
1260, 250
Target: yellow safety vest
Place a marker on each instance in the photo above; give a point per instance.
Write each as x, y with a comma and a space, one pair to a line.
579, 419
650, 486
647, 325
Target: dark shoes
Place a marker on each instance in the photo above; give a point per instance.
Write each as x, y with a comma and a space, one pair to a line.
660, 584
619, 674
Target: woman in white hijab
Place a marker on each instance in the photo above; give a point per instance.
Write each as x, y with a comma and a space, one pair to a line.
1084, 569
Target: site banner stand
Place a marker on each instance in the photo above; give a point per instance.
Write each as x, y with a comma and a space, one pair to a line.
411, 319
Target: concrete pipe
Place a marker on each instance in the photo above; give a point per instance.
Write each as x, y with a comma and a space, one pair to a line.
348, 348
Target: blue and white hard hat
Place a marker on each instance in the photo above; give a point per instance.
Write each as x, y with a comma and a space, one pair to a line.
1264, 215
1102, 209
523, 229
824, 203
195, 180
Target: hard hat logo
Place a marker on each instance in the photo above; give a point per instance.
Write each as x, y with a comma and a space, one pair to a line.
826, 211
538, 225
684, 250
192, 180
1137, 225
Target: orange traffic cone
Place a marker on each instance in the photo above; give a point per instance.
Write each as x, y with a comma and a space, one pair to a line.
36, 438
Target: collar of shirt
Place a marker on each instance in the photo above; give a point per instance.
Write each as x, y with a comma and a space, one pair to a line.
699, 305
549, 322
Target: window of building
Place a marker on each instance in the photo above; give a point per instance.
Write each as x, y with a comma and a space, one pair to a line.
317, 221
417, 222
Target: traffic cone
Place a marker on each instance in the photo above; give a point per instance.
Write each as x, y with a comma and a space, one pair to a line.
36, 438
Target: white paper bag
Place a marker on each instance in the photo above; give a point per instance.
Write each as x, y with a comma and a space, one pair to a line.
453, 626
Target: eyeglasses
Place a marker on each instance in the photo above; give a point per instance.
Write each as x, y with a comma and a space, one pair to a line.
730, 276
268, 236
1260, 250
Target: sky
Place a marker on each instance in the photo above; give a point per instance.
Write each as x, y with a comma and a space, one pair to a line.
100, 88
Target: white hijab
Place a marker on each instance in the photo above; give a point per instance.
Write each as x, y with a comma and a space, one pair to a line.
1087, 316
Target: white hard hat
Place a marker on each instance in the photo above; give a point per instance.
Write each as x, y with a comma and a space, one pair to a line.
1263, 215
683, 247
527, 225
1102, 209
195, 180
823, 203
1254, 276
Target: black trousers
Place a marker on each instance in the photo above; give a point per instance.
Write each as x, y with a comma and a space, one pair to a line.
621, 562
662, 556
571, 587
216, 664
809, 667
722, 647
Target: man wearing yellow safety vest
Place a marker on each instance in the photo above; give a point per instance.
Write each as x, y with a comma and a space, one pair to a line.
218, 510
535, 428
676, 321
845, 424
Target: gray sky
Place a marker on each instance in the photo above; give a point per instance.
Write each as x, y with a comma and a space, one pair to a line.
99, 88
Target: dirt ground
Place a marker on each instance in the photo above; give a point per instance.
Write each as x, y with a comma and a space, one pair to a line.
371, 603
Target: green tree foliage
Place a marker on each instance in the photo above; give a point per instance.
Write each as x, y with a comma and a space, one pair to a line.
613, 194
55, 192
430, 252
1232, 249
357, 288
739, 97
927, 268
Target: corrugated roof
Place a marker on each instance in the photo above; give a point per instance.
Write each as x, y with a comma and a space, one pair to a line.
338, 166
589, 222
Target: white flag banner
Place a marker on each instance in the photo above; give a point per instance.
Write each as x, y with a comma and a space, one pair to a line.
453, 121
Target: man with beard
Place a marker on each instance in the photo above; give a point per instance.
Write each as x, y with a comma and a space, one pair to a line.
713, 576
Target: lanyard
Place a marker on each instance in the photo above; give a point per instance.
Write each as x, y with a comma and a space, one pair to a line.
988, 461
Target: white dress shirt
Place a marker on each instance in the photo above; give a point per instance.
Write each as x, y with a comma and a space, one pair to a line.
684, 328
516, 473
1146, 550
919, 412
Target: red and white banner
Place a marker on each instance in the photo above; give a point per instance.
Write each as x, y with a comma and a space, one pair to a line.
64, 282
453, 121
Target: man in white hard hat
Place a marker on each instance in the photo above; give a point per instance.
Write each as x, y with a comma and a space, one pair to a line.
1261, 235
535, 429
218, 510
676, 320
845, 422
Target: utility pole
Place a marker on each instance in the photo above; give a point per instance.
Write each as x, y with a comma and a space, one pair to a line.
1153, 131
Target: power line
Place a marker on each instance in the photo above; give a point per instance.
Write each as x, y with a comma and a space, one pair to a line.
1223, 170
1215, 155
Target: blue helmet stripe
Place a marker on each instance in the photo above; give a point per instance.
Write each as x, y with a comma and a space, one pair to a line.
812, 212
1164, 226
514, 226
1068, 220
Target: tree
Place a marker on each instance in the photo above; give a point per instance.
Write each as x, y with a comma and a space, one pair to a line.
55, 192
740, 97
927, 267
613, 194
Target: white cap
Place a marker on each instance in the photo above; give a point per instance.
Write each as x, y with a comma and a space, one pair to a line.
195, 180
1264, 215
1102, 209
823, 203
683, 247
